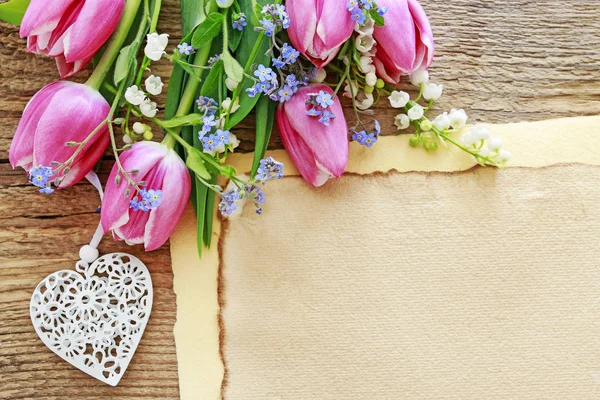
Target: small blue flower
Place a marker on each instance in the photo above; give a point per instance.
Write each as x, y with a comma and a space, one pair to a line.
229, 200
326, 117
324, 99
358, 15
264, 73
367, 4
40, 177
185, 48
223, 136
263, 87
370, 140
351, 4
47, 190
207, 105
314, 112
377, 127
280, 11
137, 205
209, 120
268, 27
278, 63
152, 198
252, 92
291, 80
255, 194
382, 11
269, 169
359, 137
286, 49
240, 23
285, 93
259, 211
210, 142
148, 200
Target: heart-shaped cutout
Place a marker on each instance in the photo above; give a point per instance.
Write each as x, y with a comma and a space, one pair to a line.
94, 317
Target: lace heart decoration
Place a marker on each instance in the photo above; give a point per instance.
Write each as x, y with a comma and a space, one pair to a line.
94, 317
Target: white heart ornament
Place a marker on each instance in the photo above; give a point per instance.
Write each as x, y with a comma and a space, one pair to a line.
94, 317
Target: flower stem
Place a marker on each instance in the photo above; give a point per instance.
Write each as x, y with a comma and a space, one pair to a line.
115, 44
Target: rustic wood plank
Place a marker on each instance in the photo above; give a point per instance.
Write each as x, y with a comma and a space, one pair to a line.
504, 60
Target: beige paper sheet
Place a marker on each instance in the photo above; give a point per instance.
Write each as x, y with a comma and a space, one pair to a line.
462, 323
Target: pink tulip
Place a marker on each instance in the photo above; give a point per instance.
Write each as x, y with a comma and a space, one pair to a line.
405, 42
59, 113
71, 31
319, 152
318, 28
162, 170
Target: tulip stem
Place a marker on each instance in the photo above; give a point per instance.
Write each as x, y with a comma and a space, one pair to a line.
114, 46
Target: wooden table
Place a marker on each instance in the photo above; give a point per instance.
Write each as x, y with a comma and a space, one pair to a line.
502, 60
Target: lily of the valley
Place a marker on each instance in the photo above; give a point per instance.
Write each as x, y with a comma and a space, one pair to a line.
156, 45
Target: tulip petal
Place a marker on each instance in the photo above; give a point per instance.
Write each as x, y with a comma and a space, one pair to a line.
134, 230
318, 28
385, 67
72, 114
21, 148
425, 44
43, 16
335, 23
176, 187
143, 156
88, 160
66, 69
328, 144
299, 152
96, 22
303, 23
398, 35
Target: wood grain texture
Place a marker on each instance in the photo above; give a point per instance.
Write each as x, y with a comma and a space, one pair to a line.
504, 60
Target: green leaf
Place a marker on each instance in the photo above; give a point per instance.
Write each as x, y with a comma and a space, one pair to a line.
208, 212
379, 20
211, 83
195, 163
233, 69
125, 60
13, 11
250, 38
265, 117
235, 35
207, 30
174, 91
192, 13
189, 69
201, 194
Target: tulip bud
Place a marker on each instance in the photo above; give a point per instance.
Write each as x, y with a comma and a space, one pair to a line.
319, 152
60, 113
318, 28
70, 31
405, 42
165, 176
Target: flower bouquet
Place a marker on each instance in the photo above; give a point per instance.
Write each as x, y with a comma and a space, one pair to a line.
294, 62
